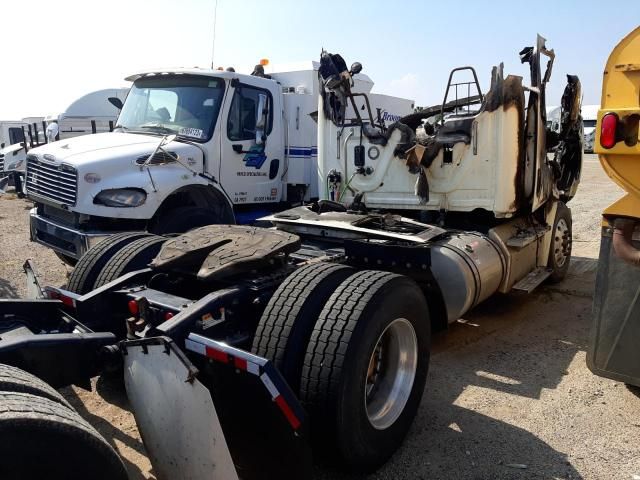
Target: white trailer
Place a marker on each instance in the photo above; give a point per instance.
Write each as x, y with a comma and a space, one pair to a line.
192, 147
589, 120
91, 113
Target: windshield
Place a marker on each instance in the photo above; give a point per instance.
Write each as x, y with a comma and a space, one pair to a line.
182, 105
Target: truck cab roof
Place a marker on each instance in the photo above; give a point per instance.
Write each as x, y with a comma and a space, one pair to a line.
206, 72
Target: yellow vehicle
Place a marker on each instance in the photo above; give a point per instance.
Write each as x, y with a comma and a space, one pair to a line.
614, 349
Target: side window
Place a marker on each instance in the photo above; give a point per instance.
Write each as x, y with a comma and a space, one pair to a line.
15, 135
243, 113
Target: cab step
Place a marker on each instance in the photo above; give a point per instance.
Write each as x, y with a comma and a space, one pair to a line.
530, 282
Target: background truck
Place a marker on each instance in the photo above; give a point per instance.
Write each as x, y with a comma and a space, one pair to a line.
246, 350
192, 147
91, 113
613, 347
16, 137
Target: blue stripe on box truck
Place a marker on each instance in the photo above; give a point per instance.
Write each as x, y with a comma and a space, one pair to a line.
302, 152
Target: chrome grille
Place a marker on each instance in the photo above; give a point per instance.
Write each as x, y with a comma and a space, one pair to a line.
54, 182
1, 162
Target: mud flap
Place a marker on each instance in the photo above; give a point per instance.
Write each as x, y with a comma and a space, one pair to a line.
264, 424
614, 350
237, 419
175, 413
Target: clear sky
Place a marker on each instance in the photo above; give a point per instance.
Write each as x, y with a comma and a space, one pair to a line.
54, 51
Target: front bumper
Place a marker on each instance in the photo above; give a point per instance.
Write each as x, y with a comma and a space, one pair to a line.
62, 238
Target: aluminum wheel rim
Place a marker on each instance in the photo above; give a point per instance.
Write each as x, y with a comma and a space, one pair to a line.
391, 373
561, 243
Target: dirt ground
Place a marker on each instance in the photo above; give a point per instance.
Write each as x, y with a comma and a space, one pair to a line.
509, 395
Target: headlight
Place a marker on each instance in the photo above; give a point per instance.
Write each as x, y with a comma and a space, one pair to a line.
121, 197
15, 165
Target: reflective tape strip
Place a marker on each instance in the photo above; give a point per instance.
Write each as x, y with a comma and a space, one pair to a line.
253, 368
195, 347
221, 355
240, 363
270, 386
216, 354
288, 413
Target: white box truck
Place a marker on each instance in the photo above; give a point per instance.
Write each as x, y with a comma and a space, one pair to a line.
192, 147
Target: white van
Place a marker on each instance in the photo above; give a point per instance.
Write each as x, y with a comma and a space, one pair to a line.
589, 119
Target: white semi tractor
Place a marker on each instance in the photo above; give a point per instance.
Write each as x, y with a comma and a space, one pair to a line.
247, 351
191, 147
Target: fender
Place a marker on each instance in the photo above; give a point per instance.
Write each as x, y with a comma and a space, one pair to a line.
209, 196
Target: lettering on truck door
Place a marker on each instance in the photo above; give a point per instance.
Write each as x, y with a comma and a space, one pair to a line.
251, 162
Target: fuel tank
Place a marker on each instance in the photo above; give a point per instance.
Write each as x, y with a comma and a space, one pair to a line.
469, 267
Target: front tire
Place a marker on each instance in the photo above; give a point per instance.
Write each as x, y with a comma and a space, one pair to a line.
366, 367
561, 242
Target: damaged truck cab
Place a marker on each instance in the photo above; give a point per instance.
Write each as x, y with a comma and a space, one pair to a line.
482, 152
485, 162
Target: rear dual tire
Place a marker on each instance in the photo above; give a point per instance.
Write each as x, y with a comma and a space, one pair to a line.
366, 367
86, 271
329, 330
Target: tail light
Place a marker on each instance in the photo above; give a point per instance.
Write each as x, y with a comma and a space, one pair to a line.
608, 127
133, 307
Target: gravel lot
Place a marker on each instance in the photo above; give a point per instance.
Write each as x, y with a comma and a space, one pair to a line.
508, 395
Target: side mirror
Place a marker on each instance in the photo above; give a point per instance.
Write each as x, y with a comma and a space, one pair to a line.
116, 102
2, 145
356, 68
261, 119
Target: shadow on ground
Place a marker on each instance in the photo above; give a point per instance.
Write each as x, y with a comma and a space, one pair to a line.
515, 345
112, 391
7, 290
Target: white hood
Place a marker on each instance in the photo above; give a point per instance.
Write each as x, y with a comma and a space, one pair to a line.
79, 150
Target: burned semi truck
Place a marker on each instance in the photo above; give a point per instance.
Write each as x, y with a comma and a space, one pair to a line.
248, 351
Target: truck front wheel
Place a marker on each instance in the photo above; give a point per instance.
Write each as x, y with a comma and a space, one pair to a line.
366, 367
183, 219
561, 239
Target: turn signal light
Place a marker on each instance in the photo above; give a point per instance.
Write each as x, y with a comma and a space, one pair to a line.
608, 126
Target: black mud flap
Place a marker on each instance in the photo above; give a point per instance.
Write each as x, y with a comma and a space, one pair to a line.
229, 414
614, 346
263, 422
